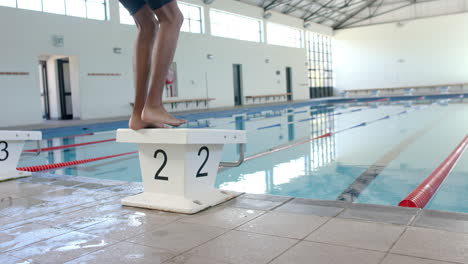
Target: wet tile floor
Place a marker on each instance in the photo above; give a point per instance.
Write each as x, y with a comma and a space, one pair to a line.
59, 219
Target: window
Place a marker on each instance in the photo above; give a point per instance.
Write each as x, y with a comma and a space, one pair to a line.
54, 6
9, 3
35, 5
96, 9
284, 35
92, 9
76, 8
319, 52
230, 25
192, 18
125, 17
193, 21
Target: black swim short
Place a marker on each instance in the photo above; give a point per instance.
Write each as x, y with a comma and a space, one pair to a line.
134, 5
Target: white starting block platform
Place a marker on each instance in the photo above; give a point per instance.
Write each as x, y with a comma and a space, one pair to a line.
11, 147
179, 167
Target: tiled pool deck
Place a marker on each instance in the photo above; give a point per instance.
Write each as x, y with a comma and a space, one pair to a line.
58, 219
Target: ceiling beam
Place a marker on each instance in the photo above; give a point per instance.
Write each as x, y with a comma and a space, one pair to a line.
351, 15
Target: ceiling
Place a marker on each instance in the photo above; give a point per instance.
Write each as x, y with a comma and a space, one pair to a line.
340, 14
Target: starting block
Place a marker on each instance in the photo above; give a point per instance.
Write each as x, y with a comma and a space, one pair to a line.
179, 167
11, 147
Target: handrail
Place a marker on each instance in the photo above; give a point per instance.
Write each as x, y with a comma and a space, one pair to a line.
237, 163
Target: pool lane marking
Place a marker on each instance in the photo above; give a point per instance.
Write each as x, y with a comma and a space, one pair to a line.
309, 119
78, 162
354, 190
316, 109
259, 119
274, 150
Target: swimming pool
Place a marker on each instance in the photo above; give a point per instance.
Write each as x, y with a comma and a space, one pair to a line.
380, 149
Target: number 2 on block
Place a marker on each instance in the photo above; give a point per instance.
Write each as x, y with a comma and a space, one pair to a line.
199, 173
157, 177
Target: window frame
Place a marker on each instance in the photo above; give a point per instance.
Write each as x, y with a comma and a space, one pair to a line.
105, 4
259, 21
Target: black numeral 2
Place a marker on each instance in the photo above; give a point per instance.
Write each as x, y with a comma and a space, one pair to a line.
4, 150
199, 173
157, 177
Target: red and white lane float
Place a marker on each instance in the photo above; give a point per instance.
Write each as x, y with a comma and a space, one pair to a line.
420, 196
11, 147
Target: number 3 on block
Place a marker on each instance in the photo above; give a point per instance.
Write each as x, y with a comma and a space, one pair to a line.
3, 151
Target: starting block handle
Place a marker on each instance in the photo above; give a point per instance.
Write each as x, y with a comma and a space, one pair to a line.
38, 149
235, 164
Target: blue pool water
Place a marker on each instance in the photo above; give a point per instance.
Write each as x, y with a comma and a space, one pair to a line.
378, 153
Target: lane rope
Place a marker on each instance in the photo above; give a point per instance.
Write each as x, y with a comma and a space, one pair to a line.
422, 194
72, 145
78, 162
70, 163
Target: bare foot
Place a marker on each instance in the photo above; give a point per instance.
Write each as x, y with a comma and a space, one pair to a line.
136, 123
153, 115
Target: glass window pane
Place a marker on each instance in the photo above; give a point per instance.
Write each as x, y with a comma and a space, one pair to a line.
30, 4
284, 35
76, 8
195, 26
125, 17
194, 13
230, 25
9, 3
320, 53
192, 18
95, 9
185, 26
54, 6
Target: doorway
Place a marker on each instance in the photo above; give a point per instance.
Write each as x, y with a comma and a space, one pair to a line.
289, 83
44, 88
64, 85
237, 70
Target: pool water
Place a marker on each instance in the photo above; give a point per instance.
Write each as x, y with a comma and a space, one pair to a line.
378, 152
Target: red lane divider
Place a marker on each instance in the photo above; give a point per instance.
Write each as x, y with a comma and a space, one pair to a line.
379, 100
286, 147
424, 192
70, 163
71, 145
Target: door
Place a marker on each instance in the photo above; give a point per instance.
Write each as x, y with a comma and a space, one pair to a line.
44, 87
65, 93
237, 70
289, 82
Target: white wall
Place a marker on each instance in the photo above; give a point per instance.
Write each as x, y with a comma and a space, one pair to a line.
420, 52
401, 11
90, 45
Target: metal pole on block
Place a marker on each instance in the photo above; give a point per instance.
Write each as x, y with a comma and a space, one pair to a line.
11, 147
179, 167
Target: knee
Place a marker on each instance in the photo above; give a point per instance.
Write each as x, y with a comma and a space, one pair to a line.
176, 19
147, 26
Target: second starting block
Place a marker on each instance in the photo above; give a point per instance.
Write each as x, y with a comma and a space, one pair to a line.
179, 167
11, 147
